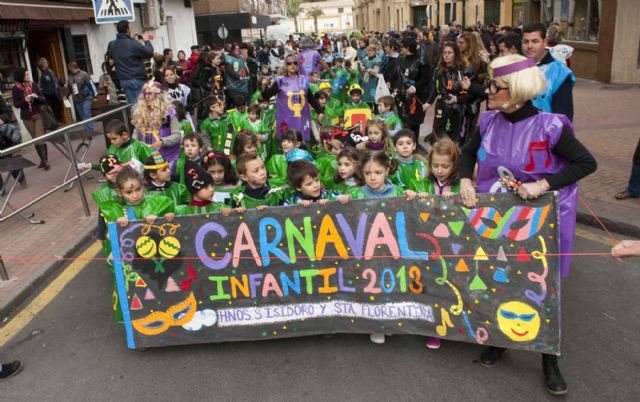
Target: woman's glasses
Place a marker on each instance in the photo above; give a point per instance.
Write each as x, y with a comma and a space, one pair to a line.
292, 63
495, 87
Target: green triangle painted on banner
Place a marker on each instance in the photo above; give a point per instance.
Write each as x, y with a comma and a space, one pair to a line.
456, 227
477, 284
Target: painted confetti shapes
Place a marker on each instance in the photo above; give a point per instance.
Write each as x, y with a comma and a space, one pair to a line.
518, 223
160, 321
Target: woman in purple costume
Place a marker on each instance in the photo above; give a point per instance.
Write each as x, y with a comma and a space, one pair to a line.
292, 101
155, 122
539, 150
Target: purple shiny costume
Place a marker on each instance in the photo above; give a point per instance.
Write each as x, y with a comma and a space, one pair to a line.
308, 62
170, 154
523, 151
292, 106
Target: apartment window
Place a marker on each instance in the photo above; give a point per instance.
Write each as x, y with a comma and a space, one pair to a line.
340, 10
81, 52
584, 19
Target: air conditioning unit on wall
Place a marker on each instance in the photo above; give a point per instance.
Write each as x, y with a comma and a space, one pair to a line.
150, 15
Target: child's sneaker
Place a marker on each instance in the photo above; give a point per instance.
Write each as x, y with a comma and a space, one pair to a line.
433, 343
377, 338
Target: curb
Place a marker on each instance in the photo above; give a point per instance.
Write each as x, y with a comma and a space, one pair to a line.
622, 228
46, 273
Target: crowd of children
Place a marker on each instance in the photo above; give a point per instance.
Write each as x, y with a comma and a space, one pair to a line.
235, 163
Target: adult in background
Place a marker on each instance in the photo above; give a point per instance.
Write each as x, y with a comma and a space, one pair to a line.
193, 58
168, 58
370, 65
81, 88
293, 100
390, 65
28, 98
557, 96
129, 56
416, 84
263, 55
209, 82
50, 86
309, 60
514, 123
236, 78
510, 43
183, 67
633, 189
9, 136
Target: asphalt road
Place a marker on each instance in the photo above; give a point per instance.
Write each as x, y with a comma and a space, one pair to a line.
73, 351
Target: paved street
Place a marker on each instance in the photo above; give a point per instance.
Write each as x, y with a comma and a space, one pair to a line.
73, 351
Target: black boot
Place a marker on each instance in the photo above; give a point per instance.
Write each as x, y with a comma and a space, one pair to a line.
491, 355
45, 152
40, 155
10, 369
552, 376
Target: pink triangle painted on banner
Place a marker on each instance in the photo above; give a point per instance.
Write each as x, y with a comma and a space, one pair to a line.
172, 286
149, 295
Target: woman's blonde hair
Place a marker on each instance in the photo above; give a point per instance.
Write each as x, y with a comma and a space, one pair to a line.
524, 85
150, 116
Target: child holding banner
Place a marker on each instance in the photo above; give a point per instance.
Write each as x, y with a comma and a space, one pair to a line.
376, 167
200, 184
443, 168
256, 191
303, 176
133, 204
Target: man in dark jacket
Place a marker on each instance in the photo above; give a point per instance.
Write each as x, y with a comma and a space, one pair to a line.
416, 84
129, 56
80, 86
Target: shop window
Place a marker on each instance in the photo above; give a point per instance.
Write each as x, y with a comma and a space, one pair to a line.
81, 52
340, 10
584, 20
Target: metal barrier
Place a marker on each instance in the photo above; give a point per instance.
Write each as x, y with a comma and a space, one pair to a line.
64, 132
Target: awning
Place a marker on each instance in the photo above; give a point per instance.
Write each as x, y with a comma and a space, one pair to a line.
44, 10
211, 22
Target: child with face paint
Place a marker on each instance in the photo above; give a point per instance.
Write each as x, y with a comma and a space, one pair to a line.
133, 204
158, 181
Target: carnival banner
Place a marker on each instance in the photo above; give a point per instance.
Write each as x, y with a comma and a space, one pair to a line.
487, 275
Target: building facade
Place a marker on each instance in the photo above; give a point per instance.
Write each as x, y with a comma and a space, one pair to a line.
244, 19
66, 31
337, 16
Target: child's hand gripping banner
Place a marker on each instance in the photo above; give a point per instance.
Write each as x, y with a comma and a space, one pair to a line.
487, 275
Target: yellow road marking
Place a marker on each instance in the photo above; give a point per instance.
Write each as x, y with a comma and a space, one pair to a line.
25, 316
585, 234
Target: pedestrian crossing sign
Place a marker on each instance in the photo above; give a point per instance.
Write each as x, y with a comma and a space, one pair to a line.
110, 11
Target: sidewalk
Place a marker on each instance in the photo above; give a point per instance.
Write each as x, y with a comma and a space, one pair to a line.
607, 122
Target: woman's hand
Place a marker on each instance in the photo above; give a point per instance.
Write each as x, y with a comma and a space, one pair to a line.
425, 107
468, 193
156, 145
530, 191
626, 248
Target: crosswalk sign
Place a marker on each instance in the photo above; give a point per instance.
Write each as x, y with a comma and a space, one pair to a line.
110, 11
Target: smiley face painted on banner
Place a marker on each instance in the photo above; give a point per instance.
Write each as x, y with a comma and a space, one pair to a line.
518, 321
